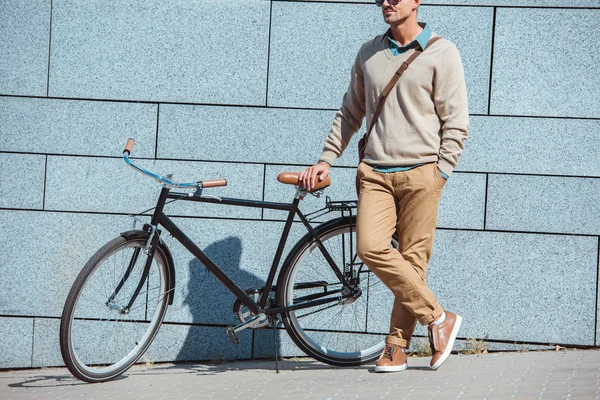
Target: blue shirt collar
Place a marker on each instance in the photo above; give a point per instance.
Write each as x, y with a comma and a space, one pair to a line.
421, 39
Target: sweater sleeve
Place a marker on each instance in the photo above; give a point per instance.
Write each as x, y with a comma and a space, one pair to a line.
348, 118
450, 97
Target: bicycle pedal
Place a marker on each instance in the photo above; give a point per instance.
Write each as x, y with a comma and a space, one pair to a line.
257, 321
232, 335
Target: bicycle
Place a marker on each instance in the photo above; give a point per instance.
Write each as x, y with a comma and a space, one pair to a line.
331, 305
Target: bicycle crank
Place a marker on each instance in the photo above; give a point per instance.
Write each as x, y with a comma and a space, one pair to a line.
258, 321
242, 312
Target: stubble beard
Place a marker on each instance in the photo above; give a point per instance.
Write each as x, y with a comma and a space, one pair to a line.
394, 19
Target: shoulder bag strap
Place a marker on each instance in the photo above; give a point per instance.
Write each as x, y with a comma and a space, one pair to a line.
392, 83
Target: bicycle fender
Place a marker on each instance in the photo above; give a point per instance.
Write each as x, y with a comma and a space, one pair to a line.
348, 220
138, 234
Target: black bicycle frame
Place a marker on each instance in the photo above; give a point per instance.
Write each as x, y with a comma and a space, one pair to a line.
159, 218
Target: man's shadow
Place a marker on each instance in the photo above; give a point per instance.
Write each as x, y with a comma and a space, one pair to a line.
211, 303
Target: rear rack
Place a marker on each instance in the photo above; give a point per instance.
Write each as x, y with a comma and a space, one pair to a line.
345, 207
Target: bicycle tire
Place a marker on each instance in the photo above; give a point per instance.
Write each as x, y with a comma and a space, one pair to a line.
337, 334
98, 342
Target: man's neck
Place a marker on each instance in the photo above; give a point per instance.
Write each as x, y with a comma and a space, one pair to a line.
405, 32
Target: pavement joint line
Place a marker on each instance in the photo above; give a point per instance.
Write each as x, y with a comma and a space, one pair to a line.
532, 374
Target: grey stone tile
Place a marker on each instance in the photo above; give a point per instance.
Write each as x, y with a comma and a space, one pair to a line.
172, 343
46, 347
327, 51
76, 127
15, 349
317, 74
46, 252
264, 344
552, 80
512, 286
25, 31
462, 205
102, 342
246, 134
109, 185
543, 204
161, 51
22, 180
466, 190
184, 342
470, 28
532, 146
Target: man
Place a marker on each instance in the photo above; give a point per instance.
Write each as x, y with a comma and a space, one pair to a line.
411, 151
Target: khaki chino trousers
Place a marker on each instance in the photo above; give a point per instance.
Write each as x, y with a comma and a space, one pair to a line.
406, 202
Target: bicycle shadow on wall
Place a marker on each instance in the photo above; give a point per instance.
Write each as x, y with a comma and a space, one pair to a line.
209, 302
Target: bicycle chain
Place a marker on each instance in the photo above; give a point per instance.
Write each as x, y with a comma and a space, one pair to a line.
316, 311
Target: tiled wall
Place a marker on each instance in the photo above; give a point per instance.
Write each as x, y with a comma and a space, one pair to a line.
211, 90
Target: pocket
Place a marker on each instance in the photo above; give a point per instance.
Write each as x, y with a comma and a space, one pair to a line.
438, 174
359, 174
360, 170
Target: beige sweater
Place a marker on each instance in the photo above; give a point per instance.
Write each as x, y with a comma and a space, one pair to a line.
425, 118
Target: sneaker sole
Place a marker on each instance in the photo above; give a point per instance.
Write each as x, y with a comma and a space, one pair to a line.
389, 368
450, 343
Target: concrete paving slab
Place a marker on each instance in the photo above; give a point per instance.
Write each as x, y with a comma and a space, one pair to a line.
571, 374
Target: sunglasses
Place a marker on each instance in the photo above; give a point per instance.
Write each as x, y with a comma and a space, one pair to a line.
392, 2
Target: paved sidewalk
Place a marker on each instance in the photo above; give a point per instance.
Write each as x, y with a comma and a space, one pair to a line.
572, 374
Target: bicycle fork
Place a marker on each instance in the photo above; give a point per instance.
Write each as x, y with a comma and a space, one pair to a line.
149, 251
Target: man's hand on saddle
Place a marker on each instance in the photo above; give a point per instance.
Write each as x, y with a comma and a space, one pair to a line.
308, 177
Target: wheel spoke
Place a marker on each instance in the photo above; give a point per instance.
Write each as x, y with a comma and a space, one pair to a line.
335, 333
99, 340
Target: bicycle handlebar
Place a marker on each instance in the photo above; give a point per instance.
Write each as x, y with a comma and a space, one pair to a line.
214, 183
164, 180
129, 146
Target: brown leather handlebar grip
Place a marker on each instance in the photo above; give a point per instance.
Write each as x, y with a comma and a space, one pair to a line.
214, 183
129, 145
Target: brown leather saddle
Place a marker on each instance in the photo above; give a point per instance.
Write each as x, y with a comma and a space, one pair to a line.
291, 178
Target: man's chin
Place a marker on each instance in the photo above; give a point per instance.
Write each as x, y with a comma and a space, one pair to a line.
390, 19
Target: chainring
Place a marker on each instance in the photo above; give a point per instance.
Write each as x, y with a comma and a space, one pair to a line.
244, 314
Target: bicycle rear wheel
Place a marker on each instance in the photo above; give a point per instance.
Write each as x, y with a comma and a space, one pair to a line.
339, 334
99, 338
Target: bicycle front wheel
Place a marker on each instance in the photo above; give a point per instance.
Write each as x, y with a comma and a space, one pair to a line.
345, 333
100, 337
